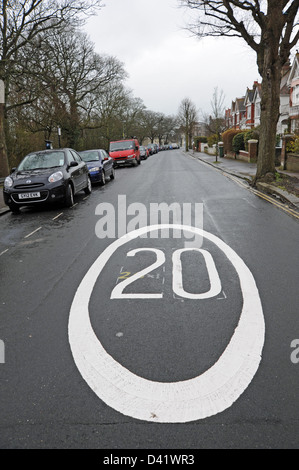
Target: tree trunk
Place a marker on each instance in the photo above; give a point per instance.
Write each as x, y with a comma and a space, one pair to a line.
4, 167
270, 101
270, 66
187, 141
74, 129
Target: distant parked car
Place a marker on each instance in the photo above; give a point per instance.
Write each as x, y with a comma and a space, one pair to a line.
143, 152
150, 150
46, 176
153, 148
100, 165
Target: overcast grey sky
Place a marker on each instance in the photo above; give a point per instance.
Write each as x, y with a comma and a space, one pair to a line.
165, 64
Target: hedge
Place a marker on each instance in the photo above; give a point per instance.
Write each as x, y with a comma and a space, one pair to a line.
241, 142
227, 139
238, 142
293, 145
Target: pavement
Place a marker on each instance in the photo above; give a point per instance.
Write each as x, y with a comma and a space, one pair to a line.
234, 167
247, 171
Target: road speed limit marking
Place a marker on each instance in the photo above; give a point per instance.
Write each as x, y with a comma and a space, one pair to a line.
177, 276
205, 395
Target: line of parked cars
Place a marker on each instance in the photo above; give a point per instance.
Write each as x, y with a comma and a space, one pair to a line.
57, 175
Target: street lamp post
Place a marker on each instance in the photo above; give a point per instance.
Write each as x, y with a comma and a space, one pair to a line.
59, 135
4, 169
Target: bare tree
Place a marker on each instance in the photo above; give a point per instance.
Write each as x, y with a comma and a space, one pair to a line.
167, 128
22, 21
66, 77
150, 122
108, 110
187, 117
132, 116
215, 121
217, 104
270, 28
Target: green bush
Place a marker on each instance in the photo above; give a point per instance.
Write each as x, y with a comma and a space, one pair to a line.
248, 135
229, 135
238, 142
293, 145
201, 139
212, 139
227, 138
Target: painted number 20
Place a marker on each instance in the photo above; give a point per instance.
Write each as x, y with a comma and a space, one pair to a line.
177, 276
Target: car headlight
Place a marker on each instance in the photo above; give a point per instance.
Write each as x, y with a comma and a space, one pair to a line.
55, 177
95, 168
8, 182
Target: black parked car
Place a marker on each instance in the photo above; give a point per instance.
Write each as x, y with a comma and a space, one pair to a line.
47, 176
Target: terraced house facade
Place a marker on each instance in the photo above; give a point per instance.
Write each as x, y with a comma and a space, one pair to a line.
244, 112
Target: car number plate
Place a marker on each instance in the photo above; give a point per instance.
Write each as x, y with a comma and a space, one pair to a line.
28, 195
121, 161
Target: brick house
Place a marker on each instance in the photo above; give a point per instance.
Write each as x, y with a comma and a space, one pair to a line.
228, 118
240, 113
249, 106
245, 112
232, 115
293, 83
257, 105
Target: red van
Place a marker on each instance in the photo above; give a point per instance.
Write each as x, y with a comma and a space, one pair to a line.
125, 152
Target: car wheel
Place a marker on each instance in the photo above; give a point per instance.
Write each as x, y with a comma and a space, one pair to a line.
69, 197
14, 208
112, 176
103, 179
87, 190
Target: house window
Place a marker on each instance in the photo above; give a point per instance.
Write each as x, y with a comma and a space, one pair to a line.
296, 95
257, 110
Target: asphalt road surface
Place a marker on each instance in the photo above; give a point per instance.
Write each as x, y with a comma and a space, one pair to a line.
160, 339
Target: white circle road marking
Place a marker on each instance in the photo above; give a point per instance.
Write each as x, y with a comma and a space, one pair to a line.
176, 402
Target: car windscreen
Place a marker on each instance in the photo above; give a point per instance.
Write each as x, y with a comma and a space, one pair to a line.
90, 156
125, 145
42, 160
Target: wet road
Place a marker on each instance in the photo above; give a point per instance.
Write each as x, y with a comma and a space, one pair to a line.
97, 359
